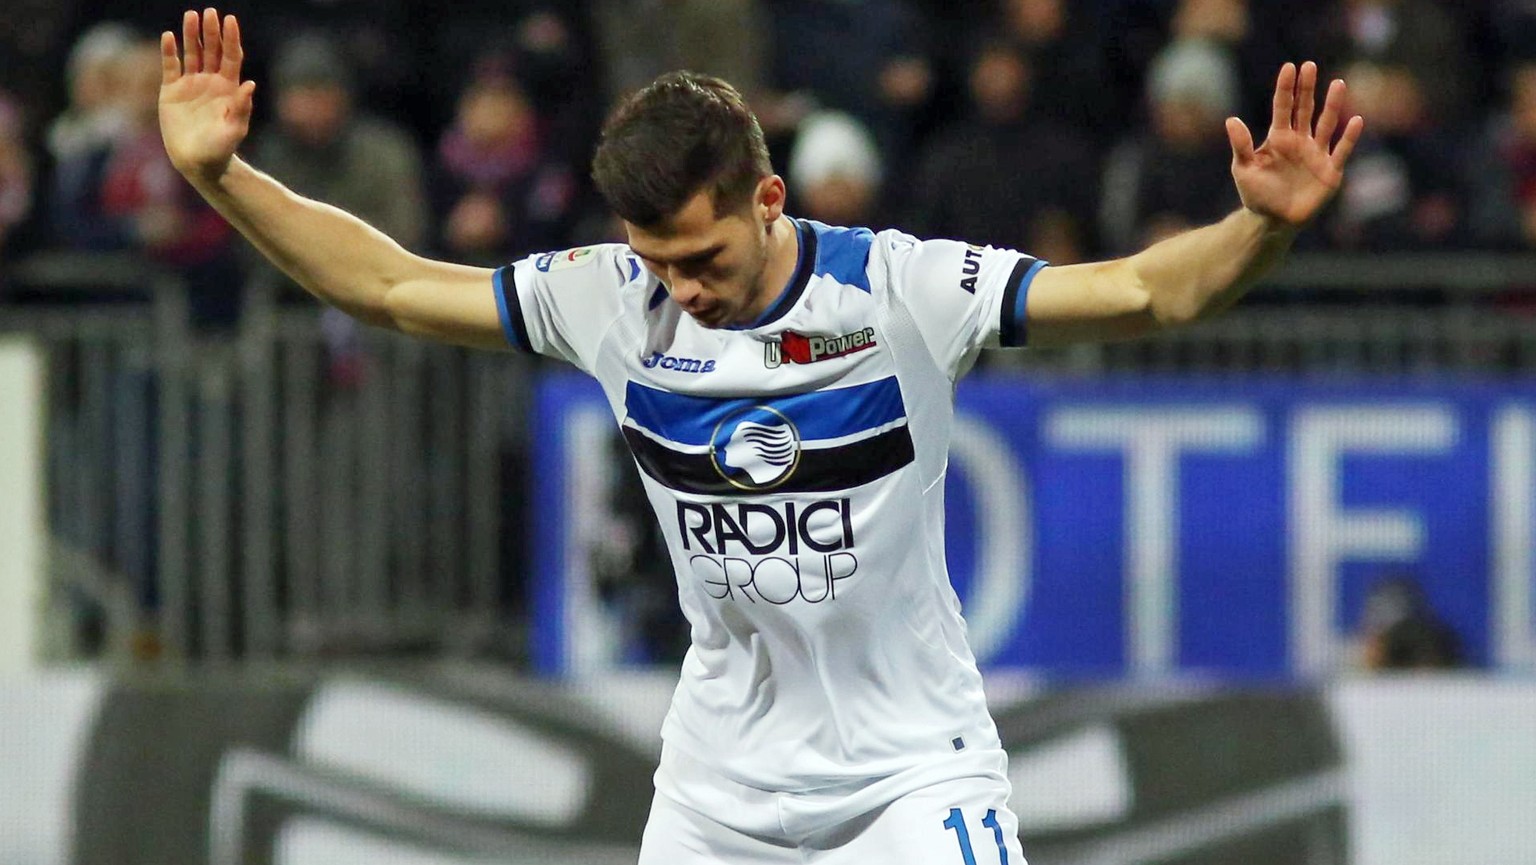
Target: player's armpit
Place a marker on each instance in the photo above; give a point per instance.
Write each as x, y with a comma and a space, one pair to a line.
449, 303
1099, 302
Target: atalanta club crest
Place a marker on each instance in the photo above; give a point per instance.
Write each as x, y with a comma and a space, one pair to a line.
755, 448
797, 348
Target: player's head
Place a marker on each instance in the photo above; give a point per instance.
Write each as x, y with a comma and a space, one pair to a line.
684, 164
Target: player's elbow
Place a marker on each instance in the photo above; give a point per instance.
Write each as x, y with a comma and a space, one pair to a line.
394, 309
1137, 303
1164, 305
1175, 311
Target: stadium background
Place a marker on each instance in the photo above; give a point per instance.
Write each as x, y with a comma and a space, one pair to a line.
276, 589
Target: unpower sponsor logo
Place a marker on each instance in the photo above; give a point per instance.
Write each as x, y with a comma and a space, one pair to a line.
792, 347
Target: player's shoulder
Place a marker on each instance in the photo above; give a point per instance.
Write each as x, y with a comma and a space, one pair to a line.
606, 268
873, 247
602, 260
854, 255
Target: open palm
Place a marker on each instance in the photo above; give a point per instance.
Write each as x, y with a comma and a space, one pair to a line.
1299, 167
205, 109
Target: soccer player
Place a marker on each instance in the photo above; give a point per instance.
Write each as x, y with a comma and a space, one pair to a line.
786, 390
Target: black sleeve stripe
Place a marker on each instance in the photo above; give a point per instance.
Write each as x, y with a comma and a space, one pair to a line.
511, 310
1010, 329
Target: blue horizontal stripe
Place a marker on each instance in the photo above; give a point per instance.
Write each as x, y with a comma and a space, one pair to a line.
818, 415
843, 254
1022, 301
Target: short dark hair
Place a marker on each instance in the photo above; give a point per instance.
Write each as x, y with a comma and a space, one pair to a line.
665, 143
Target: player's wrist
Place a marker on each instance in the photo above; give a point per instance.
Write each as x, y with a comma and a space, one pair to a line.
1269, 224
203, 175
210, 178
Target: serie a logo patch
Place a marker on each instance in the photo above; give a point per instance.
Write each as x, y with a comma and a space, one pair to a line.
798, 348
552, 261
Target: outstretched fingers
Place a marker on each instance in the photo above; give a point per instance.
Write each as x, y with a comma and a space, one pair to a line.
1285, 99
1333, 106
1352, 132
1306, 94
234, 52
213, 44
170, 62
191, 43
1241, 140
208, 44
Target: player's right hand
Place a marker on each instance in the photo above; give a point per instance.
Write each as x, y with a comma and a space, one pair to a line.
205, 109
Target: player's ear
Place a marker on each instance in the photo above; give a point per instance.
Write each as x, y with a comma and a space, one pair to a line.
768, 199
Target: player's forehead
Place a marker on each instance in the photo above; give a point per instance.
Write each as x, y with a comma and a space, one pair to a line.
696, 229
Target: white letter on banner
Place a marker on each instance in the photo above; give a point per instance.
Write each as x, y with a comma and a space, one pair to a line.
22, 522
1152, 440
1511, 483
1000, 586
1323, 534
591, 635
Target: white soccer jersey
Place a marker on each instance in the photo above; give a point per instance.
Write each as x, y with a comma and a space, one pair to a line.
796, 467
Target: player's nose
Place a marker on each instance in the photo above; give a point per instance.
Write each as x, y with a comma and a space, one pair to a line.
686, 292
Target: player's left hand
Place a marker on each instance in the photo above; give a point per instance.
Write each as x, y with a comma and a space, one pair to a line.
1299, 167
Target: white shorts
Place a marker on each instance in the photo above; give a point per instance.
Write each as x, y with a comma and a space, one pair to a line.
958, 821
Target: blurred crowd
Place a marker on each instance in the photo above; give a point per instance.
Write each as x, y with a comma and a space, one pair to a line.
1068, 128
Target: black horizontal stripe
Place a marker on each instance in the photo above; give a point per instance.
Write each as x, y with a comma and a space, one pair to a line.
820, 470
1010, 331
506, 283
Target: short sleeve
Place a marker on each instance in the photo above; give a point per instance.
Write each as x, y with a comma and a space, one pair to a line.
962, 297
560, 304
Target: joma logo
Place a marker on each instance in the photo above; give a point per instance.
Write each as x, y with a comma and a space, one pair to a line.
679, 364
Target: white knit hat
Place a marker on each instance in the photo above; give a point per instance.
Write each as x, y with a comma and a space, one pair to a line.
833, 144
1194, 70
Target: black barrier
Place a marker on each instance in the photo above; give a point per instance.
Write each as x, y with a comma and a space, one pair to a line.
220, 769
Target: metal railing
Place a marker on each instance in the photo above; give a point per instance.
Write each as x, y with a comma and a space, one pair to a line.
1346, 314
235, 496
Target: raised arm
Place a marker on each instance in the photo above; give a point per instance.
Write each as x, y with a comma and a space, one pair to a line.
205, 112
1282, 184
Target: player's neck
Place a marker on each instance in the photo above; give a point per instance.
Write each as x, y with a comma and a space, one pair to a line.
783, 256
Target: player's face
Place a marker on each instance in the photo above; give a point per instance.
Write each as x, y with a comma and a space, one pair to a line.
711, 263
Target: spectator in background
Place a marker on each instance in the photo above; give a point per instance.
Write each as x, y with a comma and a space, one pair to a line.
121, 194
96, 114
835, 170
865, 57
15, 172
1402, 191
34, 34
1252, 35
1067, 62
1400, 630
496, 189
641, 39
1006, 176
551, 50
1502, 169
381, 40
729, 39
322, 148
1174, 176
1428, 37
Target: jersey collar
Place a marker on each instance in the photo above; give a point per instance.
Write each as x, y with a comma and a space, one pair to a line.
805, 265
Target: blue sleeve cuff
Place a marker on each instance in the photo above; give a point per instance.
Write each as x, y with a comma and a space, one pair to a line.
1011, 331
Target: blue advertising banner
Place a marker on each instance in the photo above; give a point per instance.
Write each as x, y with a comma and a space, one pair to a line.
1150, 527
